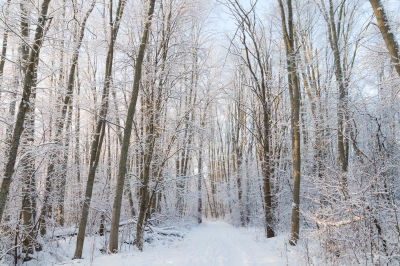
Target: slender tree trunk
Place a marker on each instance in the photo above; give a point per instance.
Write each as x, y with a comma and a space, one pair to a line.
67, 103
343, 145
144, 189
387, 33
199, 182
258, 66
24, 106
200, 172
64, 170
29, 177
294, 93
266, 166
266, 170
4, 49
239, 143
312, 85
99, 132
113, 246
78, 144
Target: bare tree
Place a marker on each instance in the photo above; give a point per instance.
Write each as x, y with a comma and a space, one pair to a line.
256, 61
100, 128
30, 73
294, 93
61, 121
113, 247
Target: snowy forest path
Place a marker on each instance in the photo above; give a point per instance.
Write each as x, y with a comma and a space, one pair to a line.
209, 244
219, 243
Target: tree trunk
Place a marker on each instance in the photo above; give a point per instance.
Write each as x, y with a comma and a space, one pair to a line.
4, 48
343, 144
64, 170
387, 33
267, 170
24, 106
29, 177
258, 65
99, 132
294, 93
238, 142
78, 148
113, 246
144, 193
199, 182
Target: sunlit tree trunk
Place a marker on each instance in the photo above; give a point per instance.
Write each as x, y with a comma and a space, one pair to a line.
64, 170
309, 64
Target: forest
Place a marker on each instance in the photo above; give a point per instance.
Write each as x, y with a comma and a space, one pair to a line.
126, 124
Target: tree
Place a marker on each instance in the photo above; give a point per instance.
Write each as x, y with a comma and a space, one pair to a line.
100, 128
113, 246
256, 60
61, 121
23, 108
294, 93
28, 161
387, 33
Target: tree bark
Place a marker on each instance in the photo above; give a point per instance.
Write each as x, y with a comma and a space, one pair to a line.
387, 33
144, 189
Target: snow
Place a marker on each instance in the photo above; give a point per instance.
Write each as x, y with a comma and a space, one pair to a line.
211, 243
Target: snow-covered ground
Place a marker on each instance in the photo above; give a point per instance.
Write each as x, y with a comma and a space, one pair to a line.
211, 243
